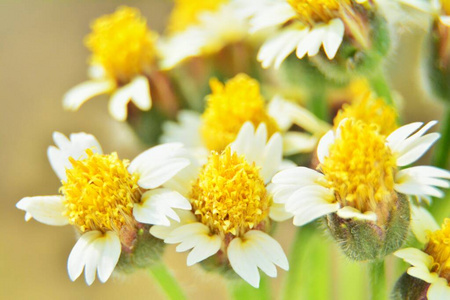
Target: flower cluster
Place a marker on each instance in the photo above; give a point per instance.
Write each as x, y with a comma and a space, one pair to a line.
298, 122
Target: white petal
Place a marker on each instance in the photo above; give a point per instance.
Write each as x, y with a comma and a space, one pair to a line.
241, 261
274, 15
400, 134
445, 20
79, 94
162, 232
270, 246
278, 213
45, 209
422, 222
298, 142
415, 150
159, 164
333, 37
75, 148
415, 257
348, 212
186, 130
290, 45
207, 246
111, 249
420, 181
323, 147
300, 176
439, 290
157, 206
422, 274
273, 51
315, 39
273, 155
78, 255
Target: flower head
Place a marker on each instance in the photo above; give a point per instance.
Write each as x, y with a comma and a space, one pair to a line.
232, 208
108, 200
432, 265
123, 53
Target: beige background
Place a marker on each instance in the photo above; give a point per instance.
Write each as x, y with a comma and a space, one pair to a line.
41, 57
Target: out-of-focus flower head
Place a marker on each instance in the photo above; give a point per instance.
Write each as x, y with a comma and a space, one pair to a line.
110, 202
123, 55
232, 208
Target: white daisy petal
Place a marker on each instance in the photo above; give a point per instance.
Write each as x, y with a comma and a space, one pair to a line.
415, 257
294, 37
157, 206
278, 213
141, 95
422, 222
186, 130
445, 20
45, 209
400, 134
315, 38
162, 232
415, 150
75, 147
78, 255
298, 142
270, 246
421, 181
241, 261
323, 147
272, 47
110, 254
422, 274
273, 155
81, 93
207, 246
300, 176
276, 14
333, 37
439, 290
348, 212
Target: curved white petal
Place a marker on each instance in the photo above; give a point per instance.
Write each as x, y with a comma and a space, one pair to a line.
315, 38
278, 212
439, 290
299, 176
415, 257
274, 14
162, 232
81, 93
75, 148
323, 148
94, 251
348, 212
186, 130
157, 206
256, 250
400, 134
138, 91
298, 142
159, 164
45, 209
333, 37
421, 181
422, 222
292, 40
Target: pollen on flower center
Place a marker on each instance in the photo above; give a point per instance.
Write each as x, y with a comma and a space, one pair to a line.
438, 247
186, 12
99, 193
122, 44
229, 107
360, 167
314, 11
446, 7
229, 195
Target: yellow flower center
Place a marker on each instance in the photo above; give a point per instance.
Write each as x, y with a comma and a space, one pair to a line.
439, 248
122, 44
230, 196
360, 167
316, 11
186, 13
445, 4
99, 193
229, 107
371, 111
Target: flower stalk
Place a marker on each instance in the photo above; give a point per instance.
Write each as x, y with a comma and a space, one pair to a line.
377, 280
167, 282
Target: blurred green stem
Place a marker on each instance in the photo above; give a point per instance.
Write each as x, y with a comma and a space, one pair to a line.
381, 87
166, 282
318, 103
377, 279
241, 290
441, 154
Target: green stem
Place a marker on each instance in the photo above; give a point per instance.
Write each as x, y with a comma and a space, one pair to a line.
377, 280
318, 104
241, 290
293, 287
167, 282
380, 85
441, 154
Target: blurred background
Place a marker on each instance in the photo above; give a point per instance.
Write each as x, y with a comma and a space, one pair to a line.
41, 57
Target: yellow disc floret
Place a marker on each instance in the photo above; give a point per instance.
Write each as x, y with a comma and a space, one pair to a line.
439, 248
229, 107
360, 167
315, 11
370, 110
445, 7
122, 44
186, 13
230, 196
99, 193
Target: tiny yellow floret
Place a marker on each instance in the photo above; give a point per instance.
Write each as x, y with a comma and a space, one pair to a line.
230, 196
186, 13
445, 4
438, 247
122, 44
229, 107
100, 192
360, 167
365, 107
316, 11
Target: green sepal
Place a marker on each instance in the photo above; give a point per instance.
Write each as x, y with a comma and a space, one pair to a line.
410, 288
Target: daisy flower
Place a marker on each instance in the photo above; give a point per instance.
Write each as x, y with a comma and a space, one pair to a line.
360, 173
232, 208
232, 104
431, 265
123, 54
107, 200
198, 28
305, 26
439, 9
